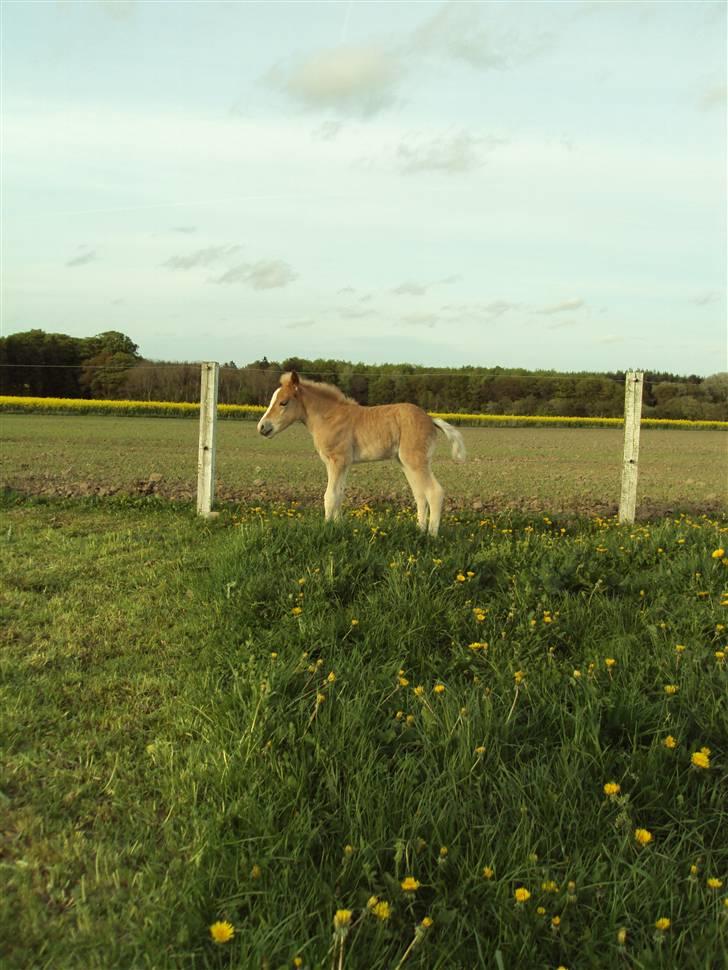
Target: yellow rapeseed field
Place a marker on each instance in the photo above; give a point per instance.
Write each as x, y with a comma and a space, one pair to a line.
180, 409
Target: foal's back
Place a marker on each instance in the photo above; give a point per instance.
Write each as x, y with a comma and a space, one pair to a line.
387, 430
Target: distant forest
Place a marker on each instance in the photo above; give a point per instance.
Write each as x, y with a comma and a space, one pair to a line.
109, 366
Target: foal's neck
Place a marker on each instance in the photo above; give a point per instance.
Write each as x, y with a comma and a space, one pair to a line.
318, 407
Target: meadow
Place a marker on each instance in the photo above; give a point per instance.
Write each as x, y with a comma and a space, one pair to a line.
560, 469
351, 746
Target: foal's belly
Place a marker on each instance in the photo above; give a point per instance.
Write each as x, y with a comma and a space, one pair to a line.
374, 453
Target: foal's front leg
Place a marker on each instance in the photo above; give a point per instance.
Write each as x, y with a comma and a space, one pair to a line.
334, 494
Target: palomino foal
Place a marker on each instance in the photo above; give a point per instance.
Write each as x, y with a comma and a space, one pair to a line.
345, 432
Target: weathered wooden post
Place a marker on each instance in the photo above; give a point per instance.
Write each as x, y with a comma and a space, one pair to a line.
632, 416
208, 425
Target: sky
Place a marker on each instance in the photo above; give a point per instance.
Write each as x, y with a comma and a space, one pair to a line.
516, 184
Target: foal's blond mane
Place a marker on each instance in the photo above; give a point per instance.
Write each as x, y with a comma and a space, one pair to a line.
327, 391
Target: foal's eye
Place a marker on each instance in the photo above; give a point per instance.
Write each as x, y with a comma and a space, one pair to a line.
283, 403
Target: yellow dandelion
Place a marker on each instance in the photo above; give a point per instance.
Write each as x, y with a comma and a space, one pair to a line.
439, 689
409, 884
222, 931
342, 919
256, 872
556, 922
540, 911
331, 678
522, 895
419, 690
670, 742
298, 962
460, 578
296, 611
610, 662
518, 677
671, 689
426, 922
700, 760
480, 750
718, 553
621, 936
355, 622
403, 682
713, 883
662, 924
693, 870
488, 873
549, 886
320, 698
611, 789
382, 910
643, 836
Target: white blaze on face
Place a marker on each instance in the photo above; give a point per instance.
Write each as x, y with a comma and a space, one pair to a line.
270, 406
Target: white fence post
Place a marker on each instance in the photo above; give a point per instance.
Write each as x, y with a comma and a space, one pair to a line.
208, 425
632, 416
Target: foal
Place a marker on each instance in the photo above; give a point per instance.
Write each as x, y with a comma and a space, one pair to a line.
345, 432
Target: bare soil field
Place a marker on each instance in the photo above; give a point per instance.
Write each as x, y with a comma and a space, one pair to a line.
560, 470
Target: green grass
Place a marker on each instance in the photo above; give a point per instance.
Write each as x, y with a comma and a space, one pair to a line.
169, 759
559, 469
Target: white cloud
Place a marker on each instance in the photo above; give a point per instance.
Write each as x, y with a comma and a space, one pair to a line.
459, 31
201, 257
352, 80
715, 96
706, 299
300, 324
453, 154
328, 130
476, 311
82, 258
456, 30
420, 320
410, 289
266, 274
117, 9
353, 313
567, 306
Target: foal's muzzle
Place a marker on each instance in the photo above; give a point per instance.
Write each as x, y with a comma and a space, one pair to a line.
265, 428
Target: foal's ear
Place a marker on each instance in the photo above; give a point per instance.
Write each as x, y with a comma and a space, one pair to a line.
294, 379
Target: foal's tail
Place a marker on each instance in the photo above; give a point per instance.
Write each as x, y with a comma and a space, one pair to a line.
454, 437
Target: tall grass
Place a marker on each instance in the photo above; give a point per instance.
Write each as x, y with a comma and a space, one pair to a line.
338, 710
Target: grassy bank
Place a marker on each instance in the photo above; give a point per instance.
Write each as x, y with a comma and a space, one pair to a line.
262, 720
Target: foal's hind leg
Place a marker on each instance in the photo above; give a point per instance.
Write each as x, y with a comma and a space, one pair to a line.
435, 495
418, 484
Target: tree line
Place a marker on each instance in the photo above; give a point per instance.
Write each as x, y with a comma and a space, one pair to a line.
109, 366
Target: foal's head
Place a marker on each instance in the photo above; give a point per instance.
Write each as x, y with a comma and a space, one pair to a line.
285, 406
